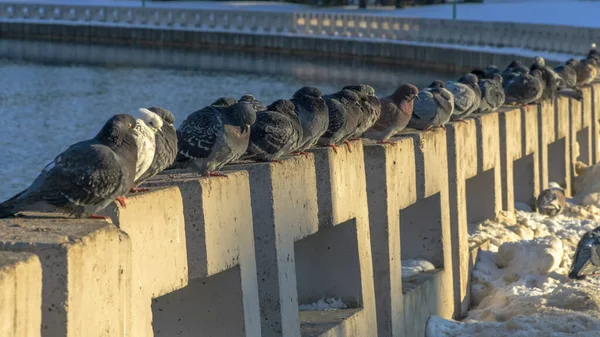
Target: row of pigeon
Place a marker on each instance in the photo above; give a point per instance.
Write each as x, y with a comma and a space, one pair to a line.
89, 175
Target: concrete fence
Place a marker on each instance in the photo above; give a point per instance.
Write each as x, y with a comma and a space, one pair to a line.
317, 24
235, 256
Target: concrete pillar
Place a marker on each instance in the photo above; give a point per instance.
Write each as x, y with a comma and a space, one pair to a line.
596, 122
584, 137
559, 152
86, 273
20, 295
391, 187
221, 297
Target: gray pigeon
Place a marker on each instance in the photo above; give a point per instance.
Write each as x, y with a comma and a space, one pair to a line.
586, 71
314, 116
466, 100
524, 89
396, 110
552, 201
258, 106
433, 108
145, 136
344, 113
472, 82
586, 260
567, 85
166, 147
86, 177
370, 108
276, 133
490, 71
214, 136
550, 77
492, 94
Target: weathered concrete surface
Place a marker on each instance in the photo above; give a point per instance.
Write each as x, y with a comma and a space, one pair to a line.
558, 165
86, 273
596, 122
519, 155
391, 180
20, 295
154, 222
220, 254
421, 300
475, 192
284, 210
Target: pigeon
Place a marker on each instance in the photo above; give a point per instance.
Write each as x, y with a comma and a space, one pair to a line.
586, 71
396, 110
433, 108
472, 82
86, 177
490, 71
492, 94
146, 128
258, 106
466, 100
517, 67
568, 74
277, 132
224, 102
214, 136
166, 147
524, 89
550, 77
551, 201
586, 259
314, 116
344, 112
370, 108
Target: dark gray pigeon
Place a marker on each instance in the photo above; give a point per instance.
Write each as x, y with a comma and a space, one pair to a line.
276, 133
166, 147
370, 108
466, 101
86, 177
568, 74
490, 71
344, 113
396, 110
550, 77
492, 94
551, 201
214, 136
524, 89
433, 108
586, 260
258, 106
224, 102
314, 116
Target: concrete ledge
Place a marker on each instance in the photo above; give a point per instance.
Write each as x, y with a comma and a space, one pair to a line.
20, 295
86, 273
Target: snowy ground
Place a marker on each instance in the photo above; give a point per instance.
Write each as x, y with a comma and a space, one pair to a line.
553, 12
520, 287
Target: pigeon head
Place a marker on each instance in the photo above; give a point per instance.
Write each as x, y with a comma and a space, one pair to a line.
308, 91
539, 62
151, 119
165, 114
224, 102
282, 105
118, 130
537, 74
256, 104
491, 70
587, 256
515, 64
469, 79
349, 95
245, 114
406, 92
437, 84
247, 98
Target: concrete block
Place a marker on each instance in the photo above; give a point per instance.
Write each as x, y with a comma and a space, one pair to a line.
391, 186
519, 155
475, 191
584, 136
20, 295
221, 297
559, 152
86, 273
546, 136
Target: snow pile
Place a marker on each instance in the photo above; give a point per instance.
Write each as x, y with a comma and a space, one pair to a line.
587, 184
416, 266
331, 303
520, 288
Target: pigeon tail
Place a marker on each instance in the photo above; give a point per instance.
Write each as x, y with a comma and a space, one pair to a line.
13, 205
570, 93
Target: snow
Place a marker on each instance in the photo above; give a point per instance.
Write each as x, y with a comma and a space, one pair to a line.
587, 184
413, 267
331, 303
520, 285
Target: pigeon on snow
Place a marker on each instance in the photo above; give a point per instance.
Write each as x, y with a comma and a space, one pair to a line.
396, 110
552, 201
313, 113
86, 177
214, 136
276, 133
586, 260
344, 112
145, 137
433, 108
166, 146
